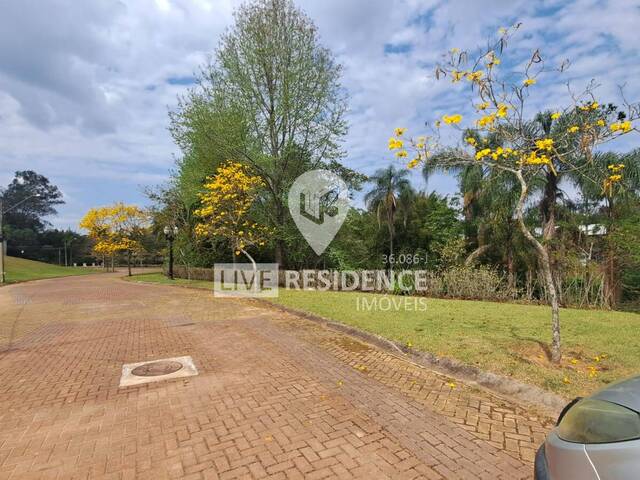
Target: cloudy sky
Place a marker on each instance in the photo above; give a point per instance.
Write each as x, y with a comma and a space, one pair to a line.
85, 86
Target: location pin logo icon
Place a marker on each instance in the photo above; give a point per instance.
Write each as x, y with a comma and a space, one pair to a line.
319, 203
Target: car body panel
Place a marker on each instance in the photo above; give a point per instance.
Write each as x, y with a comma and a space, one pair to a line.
616, 461
562, 460
566, 460
625, 392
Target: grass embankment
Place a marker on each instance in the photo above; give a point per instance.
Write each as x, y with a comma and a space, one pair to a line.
510, 339
20, 270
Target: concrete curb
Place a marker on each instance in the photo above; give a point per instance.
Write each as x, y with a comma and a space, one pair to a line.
514, 390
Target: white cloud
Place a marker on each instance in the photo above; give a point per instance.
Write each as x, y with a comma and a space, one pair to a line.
84, 92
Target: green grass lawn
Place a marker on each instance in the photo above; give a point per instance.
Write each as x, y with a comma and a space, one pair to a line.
599, 346
20, 270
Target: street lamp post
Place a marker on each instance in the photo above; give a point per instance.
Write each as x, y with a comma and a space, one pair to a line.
2, 240
170, 234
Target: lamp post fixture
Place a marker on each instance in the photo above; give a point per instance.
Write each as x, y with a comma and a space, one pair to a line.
170, 234
2, 240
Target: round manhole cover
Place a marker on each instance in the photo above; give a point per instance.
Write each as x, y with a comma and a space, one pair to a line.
155, 369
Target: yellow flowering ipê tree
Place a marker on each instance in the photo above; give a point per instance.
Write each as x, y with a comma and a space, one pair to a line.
116, 228
96, 222
225, 211
501, 138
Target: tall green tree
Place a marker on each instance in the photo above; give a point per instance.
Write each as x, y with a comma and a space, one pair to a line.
391, 194
34, 198
614, 212
279, 91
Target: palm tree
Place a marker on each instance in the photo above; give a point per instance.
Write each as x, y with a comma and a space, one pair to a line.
391, 193
612, 207
482, 195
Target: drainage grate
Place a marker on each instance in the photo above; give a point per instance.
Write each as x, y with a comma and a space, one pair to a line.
155, 369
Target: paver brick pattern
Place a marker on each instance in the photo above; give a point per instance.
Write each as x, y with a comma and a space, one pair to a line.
277, 396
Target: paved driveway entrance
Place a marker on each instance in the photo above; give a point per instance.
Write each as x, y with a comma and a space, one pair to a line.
276, 396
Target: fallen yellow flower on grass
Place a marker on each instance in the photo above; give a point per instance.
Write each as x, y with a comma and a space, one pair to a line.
566, 380
451, 385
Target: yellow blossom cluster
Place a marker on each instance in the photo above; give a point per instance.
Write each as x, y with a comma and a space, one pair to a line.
452, 119
498, 154
544, 144
115, 228
419, 145
534, 158
529, 81
615, 176
457, 75
226, 201
398, 143
622, 127
395, 143
486, 121
589, 106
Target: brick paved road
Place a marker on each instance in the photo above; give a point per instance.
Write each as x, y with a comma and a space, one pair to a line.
276, 396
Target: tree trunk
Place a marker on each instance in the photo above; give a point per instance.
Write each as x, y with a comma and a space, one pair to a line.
612, 288
255, 271
129, 261
279, 253
511, 275
548, 207
391, 234
612, 284
280, 246
545, 265
475, 255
